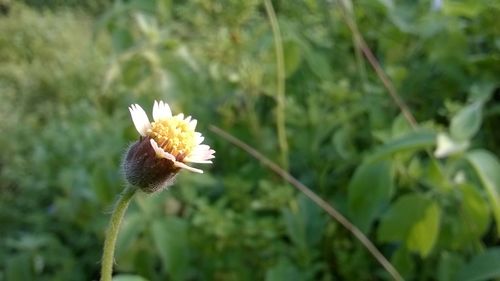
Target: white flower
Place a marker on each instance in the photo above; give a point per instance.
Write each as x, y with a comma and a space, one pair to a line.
172, 137
446, 146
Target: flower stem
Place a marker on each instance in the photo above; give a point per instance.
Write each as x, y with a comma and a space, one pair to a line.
112, 233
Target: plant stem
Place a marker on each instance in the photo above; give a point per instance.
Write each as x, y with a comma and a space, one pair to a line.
112, 233
334, 213
280, 92
346, 6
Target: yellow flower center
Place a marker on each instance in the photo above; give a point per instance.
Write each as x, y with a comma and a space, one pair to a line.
174, 136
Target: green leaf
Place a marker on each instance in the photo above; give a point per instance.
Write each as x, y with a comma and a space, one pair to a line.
284, 270
424, 232
401, 259
18, 267
100, 185
484, 266
487, 167
292, 55
435, 177
369, 190
317, 62
397, 222
410, 141
128, 277
475, 212
304, 224
170, 239
132, 226
400, 126
342, 143
468, 9
413, 219
449, 265
466, 123
481, 91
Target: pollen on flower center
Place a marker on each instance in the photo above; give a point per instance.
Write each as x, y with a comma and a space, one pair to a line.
174, 136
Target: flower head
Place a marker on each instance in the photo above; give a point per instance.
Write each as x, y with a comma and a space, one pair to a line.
164, 148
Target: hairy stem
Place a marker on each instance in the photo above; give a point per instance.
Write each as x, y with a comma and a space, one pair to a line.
112, 233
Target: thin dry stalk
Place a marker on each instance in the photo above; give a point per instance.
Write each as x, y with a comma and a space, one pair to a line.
386, 81
280, 83
315, 198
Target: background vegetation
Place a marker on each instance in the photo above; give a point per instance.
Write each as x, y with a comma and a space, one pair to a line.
428, 196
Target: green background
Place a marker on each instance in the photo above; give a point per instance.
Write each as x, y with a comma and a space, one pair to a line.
427, 197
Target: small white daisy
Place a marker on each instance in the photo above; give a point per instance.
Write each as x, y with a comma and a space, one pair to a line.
170, 140
172, 137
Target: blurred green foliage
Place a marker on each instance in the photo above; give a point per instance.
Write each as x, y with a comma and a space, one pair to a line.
428, 198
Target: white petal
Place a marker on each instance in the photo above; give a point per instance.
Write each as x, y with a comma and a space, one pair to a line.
161, 111
180, 116
192, 124
184, 166
165, 111
160, 152
155, 111
140, 119
188, 119
202, 147
156, 148
202, 154
197, 160
199, 139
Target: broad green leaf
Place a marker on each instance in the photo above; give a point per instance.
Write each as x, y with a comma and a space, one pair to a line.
294, 229
411, 141
317, 62
128, 277
121, 39
132, 226
304, 224
413, 219
435, 177
487, 167
463, 8
18, 267
466, 123
398, 221
448, 266
481, 91
148, 205
292, 55
485, 266
400, 126
170, 239
100, 185
402, 260
284, 270
424, 232
369, 190
475, 212
343, 144
457, 231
